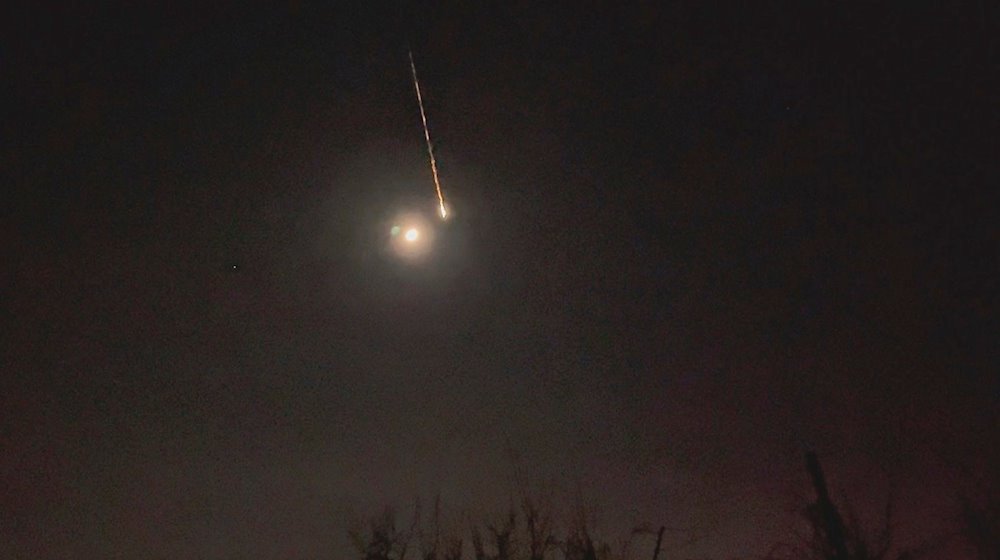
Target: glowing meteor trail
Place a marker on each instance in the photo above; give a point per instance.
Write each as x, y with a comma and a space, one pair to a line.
427, 137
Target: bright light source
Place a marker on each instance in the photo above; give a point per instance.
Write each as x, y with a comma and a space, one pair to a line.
411, 236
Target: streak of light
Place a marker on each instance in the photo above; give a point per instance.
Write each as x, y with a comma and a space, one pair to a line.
427, 137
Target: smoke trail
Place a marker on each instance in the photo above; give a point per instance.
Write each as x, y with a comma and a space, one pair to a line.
427, 137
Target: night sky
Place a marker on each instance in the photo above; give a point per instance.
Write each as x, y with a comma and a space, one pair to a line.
690, 241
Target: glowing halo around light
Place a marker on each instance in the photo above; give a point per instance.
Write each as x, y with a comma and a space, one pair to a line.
411, 236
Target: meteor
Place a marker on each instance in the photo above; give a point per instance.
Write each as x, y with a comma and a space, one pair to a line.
427, 137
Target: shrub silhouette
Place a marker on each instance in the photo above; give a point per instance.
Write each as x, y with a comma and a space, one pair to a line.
980, 524
832, 537
529, 532
525, 533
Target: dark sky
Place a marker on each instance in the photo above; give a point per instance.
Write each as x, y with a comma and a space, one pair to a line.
691, 240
